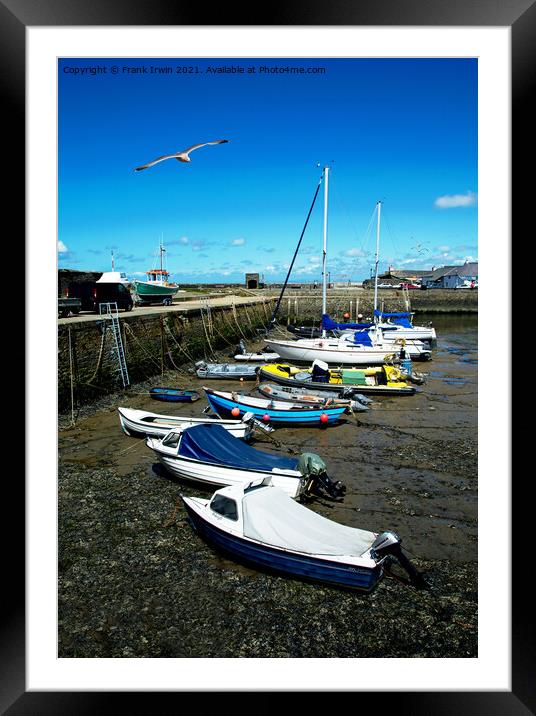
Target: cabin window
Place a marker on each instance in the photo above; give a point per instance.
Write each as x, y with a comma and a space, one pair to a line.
224, 506
171, 440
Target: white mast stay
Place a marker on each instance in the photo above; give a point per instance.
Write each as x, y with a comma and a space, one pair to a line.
379, 207
324, 254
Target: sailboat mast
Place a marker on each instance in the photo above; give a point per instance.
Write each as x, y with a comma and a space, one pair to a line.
324, 254
379, 206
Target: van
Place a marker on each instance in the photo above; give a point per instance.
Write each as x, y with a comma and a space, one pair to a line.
92, 294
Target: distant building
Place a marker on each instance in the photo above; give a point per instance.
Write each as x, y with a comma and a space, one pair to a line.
395, 277
252, 280
452, 276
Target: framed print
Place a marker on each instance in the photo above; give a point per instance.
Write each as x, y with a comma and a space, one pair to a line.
75, 78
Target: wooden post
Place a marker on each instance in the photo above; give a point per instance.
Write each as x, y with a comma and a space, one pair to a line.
288, 312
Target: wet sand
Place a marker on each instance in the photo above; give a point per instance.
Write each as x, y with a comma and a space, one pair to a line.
135, 580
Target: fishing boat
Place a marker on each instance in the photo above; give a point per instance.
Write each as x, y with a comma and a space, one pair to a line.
272, 411
157, 288
141, 422
227, 371
242, 354
174, 395
310, 396
376, 380
259, 524
210, 454
360, 347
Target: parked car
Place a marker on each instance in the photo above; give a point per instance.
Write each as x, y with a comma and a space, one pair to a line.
410, 285
68, 306
92, 294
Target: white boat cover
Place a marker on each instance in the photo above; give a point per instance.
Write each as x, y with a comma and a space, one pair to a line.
271, 517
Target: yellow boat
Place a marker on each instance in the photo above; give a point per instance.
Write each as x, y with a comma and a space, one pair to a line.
379, 380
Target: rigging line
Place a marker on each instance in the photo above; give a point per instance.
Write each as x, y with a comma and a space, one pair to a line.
364, 242
276, 309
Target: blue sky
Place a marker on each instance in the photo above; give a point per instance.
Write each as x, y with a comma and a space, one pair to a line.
403, 131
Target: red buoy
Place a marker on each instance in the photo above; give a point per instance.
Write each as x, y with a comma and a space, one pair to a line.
346, 315
324, 418
266, 418
235, 412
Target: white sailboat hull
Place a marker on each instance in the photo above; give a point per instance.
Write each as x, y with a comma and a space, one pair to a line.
342, 352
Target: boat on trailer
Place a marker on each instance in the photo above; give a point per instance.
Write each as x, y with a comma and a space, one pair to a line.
227, 371
259, 524
375, 380
275, 412
310, 396
141, 422
211, 455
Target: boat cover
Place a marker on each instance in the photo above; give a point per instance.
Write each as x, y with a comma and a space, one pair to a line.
215, 445
329, 324
271, 517
400, 318
362, 338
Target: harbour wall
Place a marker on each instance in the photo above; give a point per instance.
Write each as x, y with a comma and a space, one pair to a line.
153, 344
306, 305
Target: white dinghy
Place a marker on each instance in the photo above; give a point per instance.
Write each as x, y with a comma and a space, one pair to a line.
141, 422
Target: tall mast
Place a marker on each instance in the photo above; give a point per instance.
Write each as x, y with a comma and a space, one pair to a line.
162, 249
379, 206
324, 254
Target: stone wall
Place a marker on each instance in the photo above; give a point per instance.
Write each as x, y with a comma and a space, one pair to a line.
299, 307
153, 344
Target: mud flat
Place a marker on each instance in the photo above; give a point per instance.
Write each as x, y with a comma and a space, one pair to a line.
136, 581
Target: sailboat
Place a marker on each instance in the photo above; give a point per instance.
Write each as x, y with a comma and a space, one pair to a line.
359, 347
157, 288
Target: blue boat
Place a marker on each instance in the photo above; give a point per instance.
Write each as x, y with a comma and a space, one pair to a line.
272, 411
174, 395
260, 525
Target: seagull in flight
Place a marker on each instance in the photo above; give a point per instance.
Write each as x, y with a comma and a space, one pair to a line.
182, 156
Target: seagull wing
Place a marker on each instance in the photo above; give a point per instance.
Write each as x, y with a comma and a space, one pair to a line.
155, 161
196, 146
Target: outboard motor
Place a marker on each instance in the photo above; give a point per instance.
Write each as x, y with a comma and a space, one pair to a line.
320, 371
314, 468
389, 544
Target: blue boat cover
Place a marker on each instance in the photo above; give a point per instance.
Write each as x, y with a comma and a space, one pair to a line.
399, 318
215, 445
329, 324
362, 338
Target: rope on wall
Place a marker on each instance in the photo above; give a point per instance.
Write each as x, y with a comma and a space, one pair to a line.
72, 381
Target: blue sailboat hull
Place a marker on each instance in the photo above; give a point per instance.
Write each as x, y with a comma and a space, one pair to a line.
297, 565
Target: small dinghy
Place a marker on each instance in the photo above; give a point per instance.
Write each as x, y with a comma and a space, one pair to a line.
310, 396
174, 395
259, 524
141, 422
227, 371
377, 380
272, 411
210, 454
242, 354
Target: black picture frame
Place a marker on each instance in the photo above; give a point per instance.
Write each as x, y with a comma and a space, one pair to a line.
15, 17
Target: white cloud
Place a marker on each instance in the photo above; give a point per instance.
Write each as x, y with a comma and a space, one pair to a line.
354, 252
238, 242
450, 201
184, 240
62, 249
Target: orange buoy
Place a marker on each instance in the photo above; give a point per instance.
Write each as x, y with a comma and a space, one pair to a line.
324, 418
235, 412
